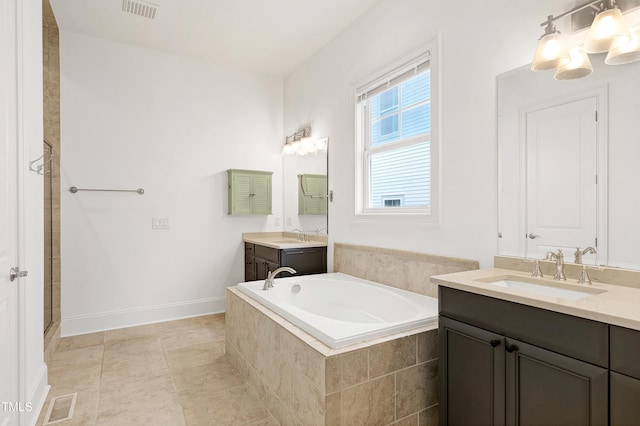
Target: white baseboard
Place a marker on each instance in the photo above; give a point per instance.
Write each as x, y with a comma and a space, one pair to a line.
37, 397
84, 324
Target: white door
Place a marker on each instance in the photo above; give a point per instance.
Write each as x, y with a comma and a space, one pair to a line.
8, 218
562, 169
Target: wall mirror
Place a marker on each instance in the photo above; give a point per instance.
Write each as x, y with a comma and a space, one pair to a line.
569, 164
305, 193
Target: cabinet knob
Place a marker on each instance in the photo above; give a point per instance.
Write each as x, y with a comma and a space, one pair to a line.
494, 343
509, 347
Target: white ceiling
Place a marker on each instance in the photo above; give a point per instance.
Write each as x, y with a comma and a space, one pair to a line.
266, 36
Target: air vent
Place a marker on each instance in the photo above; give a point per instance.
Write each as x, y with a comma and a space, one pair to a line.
140, 8
60, 409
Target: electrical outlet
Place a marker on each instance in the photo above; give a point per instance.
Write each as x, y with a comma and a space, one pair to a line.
276, 221
160, 223
289, 222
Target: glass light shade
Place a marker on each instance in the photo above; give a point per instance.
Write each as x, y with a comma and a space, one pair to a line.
579, 66
622, 52
607, 26
287, 149
550, 53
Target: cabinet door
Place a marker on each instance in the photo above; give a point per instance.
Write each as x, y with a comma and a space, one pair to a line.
263, 267
305, 261
546, 388
249, 268
471, 374
240, 191
261, 194
625, 400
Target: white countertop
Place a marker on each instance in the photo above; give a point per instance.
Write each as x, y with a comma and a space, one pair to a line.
616, 305
282, 240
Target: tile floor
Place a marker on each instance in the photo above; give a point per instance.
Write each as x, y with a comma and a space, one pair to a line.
171, 373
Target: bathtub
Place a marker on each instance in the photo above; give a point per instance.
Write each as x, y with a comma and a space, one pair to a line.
340, 310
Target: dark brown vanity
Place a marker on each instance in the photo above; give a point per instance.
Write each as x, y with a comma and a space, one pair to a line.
260, 259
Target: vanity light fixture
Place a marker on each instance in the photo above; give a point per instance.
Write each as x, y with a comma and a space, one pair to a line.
300, 143
609, 32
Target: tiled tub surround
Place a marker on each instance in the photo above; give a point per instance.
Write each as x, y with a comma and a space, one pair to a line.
340, 310
391, 380
397, 268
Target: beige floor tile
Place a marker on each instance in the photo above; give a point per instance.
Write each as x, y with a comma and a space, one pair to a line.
85, 378
193, 356
129, 333
190, 337
133, 396
82, 341
76, 358
207, 378
179, 326
142, 346
116, 369
236, 406
163, 416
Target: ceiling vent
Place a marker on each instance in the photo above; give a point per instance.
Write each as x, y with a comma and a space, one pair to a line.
140, 8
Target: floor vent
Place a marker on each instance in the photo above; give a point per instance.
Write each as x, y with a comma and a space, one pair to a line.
60, 409
140, 8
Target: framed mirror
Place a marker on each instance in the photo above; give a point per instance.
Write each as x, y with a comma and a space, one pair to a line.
305, 193
568, 164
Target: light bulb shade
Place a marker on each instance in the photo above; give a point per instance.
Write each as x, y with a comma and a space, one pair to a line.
579, 66
622, 52
287, 149
550, 53
607, 26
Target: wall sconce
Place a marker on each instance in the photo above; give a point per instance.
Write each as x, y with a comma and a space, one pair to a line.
300, 143
609, 32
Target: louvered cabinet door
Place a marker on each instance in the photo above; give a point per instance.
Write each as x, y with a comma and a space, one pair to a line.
249, 192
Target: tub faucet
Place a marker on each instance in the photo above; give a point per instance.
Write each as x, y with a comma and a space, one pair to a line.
268, 283
559, 258
578, 254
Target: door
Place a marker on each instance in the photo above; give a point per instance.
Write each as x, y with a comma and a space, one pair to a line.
562, 172
472, 392
546, 388
8, 217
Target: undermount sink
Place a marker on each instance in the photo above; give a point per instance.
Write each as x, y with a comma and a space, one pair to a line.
542, 287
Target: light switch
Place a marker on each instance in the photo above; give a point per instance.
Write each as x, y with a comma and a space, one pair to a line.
160, 223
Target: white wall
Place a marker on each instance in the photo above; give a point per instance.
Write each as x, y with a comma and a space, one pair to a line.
133, 117
479, 39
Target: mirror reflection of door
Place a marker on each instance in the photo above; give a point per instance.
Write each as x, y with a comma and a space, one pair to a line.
562, 168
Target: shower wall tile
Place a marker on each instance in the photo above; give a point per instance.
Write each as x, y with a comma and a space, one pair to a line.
397, 268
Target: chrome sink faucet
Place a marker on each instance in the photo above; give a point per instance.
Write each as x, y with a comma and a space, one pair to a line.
578, 254
559, 259
268, 283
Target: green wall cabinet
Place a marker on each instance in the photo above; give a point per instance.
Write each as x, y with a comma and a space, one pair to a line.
249, 192
312, 194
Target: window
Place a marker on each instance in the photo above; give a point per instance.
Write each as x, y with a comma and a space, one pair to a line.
394, 141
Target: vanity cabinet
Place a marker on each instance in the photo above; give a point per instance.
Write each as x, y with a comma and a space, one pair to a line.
249, 192
507, 363
259, 260
625, 376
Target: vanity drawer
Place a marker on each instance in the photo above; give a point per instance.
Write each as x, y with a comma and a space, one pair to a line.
249, 249
268, 253
625, 347
578, 338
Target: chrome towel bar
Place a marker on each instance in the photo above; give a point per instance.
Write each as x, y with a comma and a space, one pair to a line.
75, 189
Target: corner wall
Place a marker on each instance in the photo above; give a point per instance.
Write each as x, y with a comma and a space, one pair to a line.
137, 118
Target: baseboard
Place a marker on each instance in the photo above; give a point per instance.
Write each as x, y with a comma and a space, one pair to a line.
84, 324
37, 397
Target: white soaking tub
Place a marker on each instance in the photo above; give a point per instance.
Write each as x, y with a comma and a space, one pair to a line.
341, 310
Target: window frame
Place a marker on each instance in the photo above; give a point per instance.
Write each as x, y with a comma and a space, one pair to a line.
361, 134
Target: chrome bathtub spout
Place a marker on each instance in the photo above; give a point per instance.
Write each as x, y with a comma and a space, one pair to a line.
559, 258
268, 283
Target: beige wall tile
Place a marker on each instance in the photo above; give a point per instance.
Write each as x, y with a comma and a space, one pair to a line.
428, 346
355, 367
370, 403
429, 417
408, 421
308, 400
333, 409
392, 356
417, 388
333, 374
